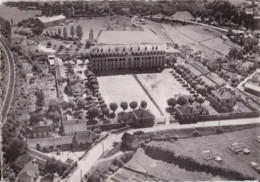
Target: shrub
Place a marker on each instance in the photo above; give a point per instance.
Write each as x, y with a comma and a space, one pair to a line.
118, 162
49, 44
195, 133
219, 130
138, 132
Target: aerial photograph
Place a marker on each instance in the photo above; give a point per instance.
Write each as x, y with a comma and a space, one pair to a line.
129, 90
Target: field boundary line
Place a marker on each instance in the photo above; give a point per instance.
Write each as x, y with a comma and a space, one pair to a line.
148, 94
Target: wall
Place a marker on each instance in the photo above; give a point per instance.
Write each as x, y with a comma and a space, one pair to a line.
105, 127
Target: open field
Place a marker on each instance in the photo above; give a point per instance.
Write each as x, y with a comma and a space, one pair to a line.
16, 14
123, 88
193, 147
161, 87
199, 38
86, 23
164, 170
129, 37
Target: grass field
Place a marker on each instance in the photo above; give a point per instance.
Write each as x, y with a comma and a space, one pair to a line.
193, 147
164, 170
123, 88
161, 87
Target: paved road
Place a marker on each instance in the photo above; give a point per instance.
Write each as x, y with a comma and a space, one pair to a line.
86, 163
11, 82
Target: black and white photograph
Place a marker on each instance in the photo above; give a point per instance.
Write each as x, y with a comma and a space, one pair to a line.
129, 90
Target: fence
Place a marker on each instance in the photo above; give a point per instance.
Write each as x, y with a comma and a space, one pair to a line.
228, 116
106, 127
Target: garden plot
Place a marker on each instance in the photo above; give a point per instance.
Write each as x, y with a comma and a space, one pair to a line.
129, 37
161, 87
123, 88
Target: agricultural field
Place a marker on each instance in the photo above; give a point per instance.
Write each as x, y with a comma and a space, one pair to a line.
129, 37
161, 87
16, 14
123, 88
87, 24
198, 38
238, 162
164, 170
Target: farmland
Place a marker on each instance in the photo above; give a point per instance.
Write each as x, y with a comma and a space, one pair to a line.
238, 162
123, 88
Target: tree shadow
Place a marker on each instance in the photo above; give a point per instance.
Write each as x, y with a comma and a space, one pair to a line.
169, 110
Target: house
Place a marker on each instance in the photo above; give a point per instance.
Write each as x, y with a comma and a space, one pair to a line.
83, 138
187, 113
21, 161
223, 98
143, 118
124, 117
45, 21
41, 131
129, 141
29, 173
252, 88
69, 127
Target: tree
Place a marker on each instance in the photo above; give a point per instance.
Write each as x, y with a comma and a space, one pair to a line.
200, 100
113, 106
16, 148
210, 88
81, 103
37, 30
201, 90
133, 105
103, 106
94, 112
194, 84
93, 178
143, 104
190, 100
172, 102
124, 105
105, 111
89, 43
53, 166
35, 117
65, 33
182, 100
79, 31
59, 31
72, 31
54, 105
40, 98
64, 105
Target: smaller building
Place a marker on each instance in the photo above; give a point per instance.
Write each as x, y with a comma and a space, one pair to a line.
29, 173
143, 118
45, 21
223, 98
51, 61
252, 88
129, 141
186, 113
41, 131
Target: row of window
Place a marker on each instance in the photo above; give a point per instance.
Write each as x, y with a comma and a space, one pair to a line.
124, 59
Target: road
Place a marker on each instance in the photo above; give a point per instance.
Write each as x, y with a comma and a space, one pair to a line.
11, 82
88, 161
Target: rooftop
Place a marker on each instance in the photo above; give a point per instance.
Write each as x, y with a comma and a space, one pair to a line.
186, 109
45, 19
41, 129
222, 92
46, 142
142, 113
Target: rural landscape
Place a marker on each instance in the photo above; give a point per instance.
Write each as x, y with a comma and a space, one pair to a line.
130, 91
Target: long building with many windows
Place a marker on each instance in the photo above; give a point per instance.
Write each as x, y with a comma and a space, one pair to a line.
144, 57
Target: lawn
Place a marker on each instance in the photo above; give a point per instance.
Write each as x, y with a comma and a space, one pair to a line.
240, 163
123, 88
164, 170
129, 37
161, 87
86, 23
16, 14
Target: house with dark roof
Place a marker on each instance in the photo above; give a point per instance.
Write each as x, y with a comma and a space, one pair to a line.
143, 118
29, 173
69, 127
186, 113
41, 131
83, 139
129, 141
223, 98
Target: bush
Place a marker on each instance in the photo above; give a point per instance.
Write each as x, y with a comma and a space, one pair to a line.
118, 163
138, 132
195, 133
49, 44
219, 130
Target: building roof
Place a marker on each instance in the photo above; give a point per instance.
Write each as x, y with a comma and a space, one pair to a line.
127, 137
142, 113
41, 129
75, 128
128, 49
85, 136
22, 160
46, 142
222, 93
45, 19
252, 86
186, 109
73, 122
